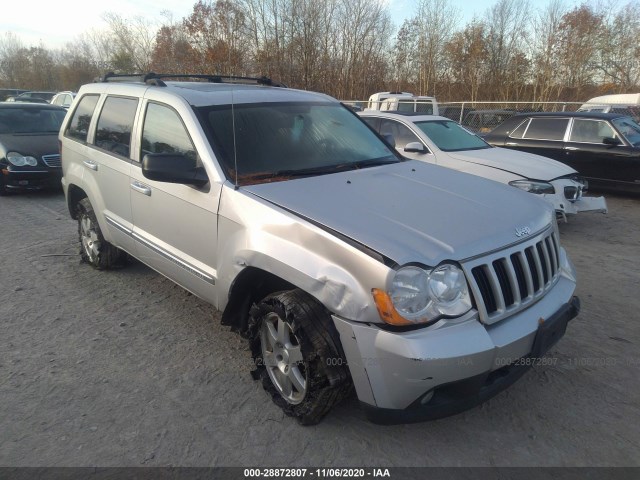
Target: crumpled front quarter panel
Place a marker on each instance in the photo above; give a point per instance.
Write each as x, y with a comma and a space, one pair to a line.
255, 233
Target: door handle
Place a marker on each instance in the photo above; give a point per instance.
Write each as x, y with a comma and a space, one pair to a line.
141, 188
91, 164
511, 144
571, 149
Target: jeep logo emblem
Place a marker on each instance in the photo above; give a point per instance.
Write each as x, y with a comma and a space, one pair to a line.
523, 231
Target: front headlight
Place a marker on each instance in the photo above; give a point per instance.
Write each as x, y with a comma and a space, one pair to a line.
20, 160
533, 186
423, 296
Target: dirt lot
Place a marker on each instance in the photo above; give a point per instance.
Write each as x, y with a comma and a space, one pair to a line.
124, 368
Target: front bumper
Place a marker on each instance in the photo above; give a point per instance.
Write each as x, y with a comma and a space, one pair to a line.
30, 179
563, 201
453, 365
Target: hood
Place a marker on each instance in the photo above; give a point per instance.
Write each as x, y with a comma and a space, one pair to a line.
413, 211
528, 165
33, 144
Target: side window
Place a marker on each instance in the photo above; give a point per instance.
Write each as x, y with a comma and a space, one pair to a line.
58, 100
401, 134
113, 132
373, 122
547, 128
79, 124
406, 106
590, 131
520, 129
424, 107
164, 132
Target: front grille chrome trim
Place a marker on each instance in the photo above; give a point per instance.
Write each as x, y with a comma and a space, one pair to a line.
510, 280
53, 161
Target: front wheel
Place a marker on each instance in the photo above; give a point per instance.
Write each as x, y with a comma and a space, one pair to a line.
298, 355
94, 249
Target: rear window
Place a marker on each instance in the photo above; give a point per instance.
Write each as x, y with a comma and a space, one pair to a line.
547, 128
79, 124
115, 124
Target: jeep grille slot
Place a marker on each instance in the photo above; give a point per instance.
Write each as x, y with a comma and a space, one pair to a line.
509, 281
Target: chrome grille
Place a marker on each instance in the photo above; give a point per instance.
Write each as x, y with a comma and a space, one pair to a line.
52, 160
511, 280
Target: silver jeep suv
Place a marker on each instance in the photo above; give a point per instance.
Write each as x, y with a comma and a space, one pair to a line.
346, 266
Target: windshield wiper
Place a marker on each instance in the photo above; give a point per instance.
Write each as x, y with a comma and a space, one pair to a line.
321, 170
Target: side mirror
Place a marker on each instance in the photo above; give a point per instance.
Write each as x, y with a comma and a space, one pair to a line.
173, 168
611, 141
415, 147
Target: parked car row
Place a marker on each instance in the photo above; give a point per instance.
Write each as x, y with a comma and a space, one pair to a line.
346, 265
603, 147
62, 99
336, 243
443, 142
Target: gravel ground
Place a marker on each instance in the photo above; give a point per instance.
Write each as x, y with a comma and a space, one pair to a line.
124, 368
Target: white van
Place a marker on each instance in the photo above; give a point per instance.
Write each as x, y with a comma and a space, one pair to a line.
627, 103
376, 99
416, 104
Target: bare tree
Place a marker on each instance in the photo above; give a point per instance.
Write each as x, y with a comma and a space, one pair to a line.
436, 21
133, 41
507, 23
467, 55
618, 53
10, 47
546, 51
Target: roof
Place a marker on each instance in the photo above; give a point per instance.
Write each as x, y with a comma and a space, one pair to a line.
618, 98
598, 115
199, 94
415, 117
28, 105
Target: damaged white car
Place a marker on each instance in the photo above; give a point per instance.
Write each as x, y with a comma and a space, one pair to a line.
444, 142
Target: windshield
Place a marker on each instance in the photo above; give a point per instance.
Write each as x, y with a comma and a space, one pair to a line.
629, 130
449, 136
30, 120
279, 141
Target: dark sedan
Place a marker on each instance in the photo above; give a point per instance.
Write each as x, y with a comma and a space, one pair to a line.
603, 147
29, 154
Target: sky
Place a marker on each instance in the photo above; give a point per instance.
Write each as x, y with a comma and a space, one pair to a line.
55, 23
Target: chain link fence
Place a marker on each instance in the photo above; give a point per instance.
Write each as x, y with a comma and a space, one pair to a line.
482, 117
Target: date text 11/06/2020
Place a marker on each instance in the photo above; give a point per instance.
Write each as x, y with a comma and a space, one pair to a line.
316, 472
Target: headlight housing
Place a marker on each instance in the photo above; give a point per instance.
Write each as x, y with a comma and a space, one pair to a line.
20, 160
420, 296
533, 186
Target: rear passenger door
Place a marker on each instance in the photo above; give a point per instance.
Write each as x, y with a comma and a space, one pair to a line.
104, 173
109, 165
542, 136
175, 225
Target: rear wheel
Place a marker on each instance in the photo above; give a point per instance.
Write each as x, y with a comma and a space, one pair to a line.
94, 249
297, 351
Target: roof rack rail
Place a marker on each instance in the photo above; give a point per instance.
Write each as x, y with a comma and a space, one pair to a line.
152, 78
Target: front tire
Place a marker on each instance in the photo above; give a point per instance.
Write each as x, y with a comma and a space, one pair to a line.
298, 356
94, 249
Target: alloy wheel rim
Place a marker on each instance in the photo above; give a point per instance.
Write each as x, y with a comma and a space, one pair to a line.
89, 237
283, 359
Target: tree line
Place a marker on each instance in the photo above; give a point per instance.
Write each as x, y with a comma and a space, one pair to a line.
350, 49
